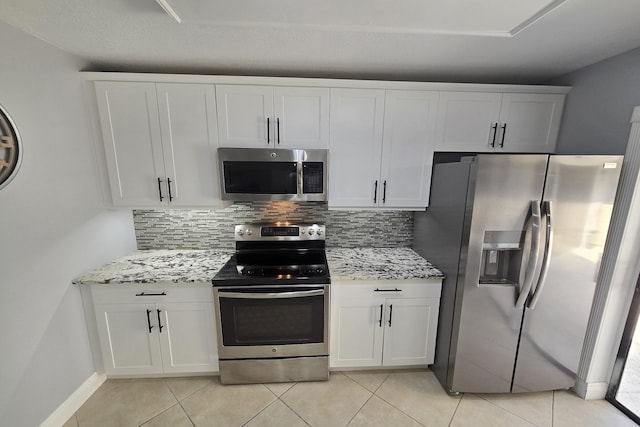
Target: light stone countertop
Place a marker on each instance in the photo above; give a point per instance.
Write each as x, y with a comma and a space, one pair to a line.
199, 266
379, 264
151, 266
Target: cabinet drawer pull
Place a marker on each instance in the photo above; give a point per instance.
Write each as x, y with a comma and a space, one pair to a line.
387, 290
381, 310
144, 294
390, 313
504, 132
159, 322
149, 321
278, 127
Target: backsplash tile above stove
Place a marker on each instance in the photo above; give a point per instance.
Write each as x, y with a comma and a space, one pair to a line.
206, 229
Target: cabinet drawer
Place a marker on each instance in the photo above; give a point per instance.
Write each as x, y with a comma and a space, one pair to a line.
422, 288
151, 293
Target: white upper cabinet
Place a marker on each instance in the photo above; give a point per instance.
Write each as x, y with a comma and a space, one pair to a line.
356, 147
188, 129
133, 146
381, 148
496, 122
265, 116
159, 143
529, 122
407, 148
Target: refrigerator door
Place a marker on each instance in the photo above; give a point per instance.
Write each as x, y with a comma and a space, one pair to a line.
579, 193
487, 325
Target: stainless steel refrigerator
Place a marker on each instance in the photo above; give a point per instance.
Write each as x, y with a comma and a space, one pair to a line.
520, 239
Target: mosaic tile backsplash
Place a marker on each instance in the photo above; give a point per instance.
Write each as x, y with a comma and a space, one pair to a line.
207, 229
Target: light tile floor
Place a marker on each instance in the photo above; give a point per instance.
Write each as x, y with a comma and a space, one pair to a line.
397, 398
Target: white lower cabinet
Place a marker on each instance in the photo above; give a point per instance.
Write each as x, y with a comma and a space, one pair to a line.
128, 347
167, 334
383, 323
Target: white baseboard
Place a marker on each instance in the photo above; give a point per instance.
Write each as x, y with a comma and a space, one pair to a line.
69, 407
590, 391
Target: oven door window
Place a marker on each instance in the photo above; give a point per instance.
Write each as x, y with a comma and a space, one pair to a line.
271, 320
260, 177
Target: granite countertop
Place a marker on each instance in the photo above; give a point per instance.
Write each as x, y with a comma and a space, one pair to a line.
379, 264
150, 266
199, 266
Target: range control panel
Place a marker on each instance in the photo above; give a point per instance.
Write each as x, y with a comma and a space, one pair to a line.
256, 232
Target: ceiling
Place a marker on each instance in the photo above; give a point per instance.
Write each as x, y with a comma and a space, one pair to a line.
499, 41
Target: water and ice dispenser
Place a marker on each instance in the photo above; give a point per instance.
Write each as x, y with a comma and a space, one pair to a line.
501, 257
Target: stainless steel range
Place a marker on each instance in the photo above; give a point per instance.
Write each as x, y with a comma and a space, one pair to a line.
272, 305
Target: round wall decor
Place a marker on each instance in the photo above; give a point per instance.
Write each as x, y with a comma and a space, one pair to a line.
10, 149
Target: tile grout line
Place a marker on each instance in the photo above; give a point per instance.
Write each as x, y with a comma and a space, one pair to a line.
392, 405
180, 403
513, 413
367, 401
456, 410
359, 409
165, 410
290, 408
263, 409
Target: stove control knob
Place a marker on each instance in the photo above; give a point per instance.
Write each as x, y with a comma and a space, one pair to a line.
319, 270
311, 231
249, 232
319, 232
240, 232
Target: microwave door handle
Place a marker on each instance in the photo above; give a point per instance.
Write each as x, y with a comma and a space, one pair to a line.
272, 295
300, 179
532, 263
548, 247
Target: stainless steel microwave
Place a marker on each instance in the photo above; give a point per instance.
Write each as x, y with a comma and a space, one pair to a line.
260, 174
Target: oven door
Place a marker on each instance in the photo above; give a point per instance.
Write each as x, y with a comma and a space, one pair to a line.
272, 321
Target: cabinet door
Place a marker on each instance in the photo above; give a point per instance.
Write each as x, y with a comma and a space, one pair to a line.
128, 346
187, 122
466, 121
245, 116
410, 331
355, 147
131, 135
187, 338
407, 149
302, 117
356, 332
529, 123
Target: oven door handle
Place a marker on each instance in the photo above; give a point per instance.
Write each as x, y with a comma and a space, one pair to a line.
271, 295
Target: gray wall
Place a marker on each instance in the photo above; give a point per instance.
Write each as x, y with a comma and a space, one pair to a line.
206, 229
53, 228
598, 109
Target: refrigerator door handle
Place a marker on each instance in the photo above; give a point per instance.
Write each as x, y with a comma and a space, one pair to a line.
548, 246
532, 263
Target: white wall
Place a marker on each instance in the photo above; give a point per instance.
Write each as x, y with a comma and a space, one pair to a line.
52, 228
598, 108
